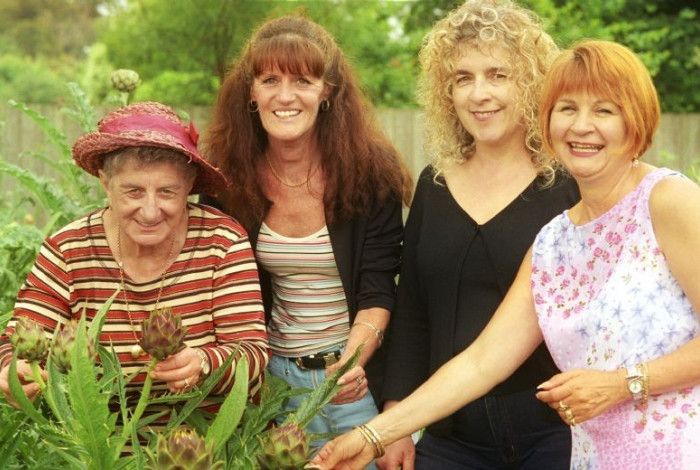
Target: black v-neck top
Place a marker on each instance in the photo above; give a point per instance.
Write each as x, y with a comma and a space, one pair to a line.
454, 274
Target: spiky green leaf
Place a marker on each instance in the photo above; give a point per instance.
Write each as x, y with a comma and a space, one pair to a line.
231, 410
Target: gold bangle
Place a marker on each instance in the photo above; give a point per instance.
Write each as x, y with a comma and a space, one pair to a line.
377, 438
645, 384
372, 437
368, 439
378, 332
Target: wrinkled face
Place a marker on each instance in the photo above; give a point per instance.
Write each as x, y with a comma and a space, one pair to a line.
483, 95
588, 134
288, 104
148, 201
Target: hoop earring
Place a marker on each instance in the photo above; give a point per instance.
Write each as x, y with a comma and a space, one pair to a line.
252, 106
325, 105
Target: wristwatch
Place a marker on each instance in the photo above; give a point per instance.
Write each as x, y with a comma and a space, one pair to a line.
204, 362
635, 382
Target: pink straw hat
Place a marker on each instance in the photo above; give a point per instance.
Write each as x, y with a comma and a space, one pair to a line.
147, 124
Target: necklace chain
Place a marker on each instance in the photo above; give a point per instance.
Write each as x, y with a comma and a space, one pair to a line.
285, 182
136, 350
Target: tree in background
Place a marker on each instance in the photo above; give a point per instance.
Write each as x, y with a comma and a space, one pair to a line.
665, 34
182, 48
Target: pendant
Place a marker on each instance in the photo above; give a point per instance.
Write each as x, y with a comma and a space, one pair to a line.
136, 351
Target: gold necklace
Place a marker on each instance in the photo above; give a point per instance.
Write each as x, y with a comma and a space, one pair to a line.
283, 181
136, 349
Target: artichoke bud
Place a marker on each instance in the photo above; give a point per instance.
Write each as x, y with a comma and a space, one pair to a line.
162, 334
63, 346
284, 448
183, 449
29, 341
125, 80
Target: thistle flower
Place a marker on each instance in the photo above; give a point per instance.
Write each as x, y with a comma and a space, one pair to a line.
162, 333
183, 449
284, 448
30, 341
125, 80
63, 346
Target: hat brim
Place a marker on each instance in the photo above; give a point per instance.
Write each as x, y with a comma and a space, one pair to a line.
89, 150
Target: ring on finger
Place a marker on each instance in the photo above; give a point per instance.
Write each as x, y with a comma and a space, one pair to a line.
359, 380
563, 407
187, 382
572, 421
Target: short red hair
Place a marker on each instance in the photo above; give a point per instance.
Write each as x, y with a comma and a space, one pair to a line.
610, 71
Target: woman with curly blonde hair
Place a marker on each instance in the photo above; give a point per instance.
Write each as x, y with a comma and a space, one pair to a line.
319, 189
476, 210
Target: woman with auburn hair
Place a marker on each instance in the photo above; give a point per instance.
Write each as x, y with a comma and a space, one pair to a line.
610, 286
319, 189
477, 209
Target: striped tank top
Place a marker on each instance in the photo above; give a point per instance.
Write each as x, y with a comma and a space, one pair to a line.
309, 308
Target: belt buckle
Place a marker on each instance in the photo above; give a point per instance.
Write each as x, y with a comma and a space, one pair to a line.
299, 361
330, 358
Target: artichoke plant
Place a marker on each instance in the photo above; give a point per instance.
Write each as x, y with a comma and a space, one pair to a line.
183, 449
63, 346
125, 80
284, 448
29, 341
162, 334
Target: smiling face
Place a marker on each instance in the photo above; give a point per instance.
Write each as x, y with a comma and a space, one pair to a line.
588, 134
483, 96
148, 201
288, 104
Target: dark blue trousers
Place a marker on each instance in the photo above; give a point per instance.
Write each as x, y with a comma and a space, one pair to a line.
505, 432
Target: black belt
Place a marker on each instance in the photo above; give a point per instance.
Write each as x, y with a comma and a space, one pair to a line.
316, 361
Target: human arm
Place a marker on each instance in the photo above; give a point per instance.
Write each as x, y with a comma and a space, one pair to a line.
367, 331
489, 360
675, 213
376, 258
400, 454
43, 298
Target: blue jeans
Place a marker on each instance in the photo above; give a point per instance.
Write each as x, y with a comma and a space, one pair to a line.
335, 419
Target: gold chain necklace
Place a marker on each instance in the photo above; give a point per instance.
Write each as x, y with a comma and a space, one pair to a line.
283, 181
136, 349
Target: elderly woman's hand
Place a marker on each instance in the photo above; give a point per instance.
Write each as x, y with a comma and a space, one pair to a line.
180, 371
24, 371
350, 451
581, 394
354, 384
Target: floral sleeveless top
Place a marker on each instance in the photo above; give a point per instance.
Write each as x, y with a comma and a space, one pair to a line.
606, 299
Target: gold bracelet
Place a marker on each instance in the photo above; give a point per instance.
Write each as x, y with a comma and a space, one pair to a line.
365, 434
377, 438
645, 384
378, 332
372, 437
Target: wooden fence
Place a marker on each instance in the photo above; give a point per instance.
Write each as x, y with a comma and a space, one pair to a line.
677, 142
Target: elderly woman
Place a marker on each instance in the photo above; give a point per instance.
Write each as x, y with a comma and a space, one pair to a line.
610, 285
319, 189
157, 250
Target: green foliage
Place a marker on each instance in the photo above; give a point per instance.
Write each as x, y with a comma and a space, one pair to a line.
63, 197
27, 79
179, 88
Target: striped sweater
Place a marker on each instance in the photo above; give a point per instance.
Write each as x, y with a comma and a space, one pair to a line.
212, 284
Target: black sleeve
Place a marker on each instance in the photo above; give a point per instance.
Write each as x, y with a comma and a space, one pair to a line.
408, 337
381, 257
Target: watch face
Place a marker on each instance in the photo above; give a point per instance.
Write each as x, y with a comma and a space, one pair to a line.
635, 386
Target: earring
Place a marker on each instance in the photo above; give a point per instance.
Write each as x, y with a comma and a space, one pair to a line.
252, 106
635, 162
325, 105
